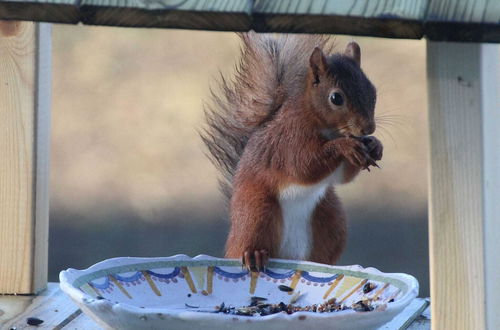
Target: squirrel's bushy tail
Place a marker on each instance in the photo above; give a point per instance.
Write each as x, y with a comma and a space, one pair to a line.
271, 69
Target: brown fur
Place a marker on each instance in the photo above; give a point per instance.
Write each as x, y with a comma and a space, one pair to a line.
276, 126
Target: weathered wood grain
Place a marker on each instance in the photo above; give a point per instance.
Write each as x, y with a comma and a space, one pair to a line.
463, 90
24, 144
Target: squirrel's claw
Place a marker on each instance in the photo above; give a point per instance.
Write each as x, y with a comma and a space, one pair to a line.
370, 162
371, 150
255, 261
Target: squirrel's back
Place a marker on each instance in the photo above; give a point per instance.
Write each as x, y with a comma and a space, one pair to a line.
272, 69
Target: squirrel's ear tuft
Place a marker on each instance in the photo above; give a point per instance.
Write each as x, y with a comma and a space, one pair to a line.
317, 61
353, 51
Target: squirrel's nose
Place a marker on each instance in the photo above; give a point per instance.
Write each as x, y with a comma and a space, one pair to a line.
369, 129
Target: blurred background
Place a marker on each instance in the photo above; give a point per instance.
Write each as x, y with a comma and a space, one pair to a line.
129, 175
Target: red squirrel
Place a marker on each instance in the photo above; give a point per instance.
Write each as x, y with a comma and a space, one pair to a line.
293, 123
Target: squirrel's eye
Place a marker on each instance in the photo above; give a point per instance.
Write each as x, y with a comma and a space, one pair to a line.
336, 98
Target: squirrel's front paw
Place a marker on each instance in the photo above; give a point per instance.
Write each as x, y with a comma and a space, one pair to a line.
355, 152
255, 260
373, 146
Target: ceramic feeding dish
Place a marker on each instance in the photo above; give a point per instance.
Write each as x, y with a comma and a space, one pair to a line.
180, 292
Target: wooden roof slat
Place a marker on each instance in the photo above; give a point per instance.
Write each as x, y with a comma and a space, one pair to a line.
455, 20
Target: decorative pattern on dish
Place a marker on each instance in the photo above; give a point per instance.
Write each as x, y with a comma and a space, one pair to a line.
336, 286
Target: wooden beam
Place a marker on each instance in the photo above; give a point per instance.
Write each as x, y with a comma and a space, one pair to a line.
394, 19
24, 146
232, 15
464, 84
216, 15
391, 19
460, 20
60, 11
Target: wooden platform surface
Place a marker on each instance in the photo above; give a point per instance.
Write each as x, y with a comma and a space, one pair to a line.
58, 312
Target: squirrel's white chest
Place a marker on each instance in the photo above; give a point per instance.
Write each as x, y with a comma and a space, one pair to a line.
298, 203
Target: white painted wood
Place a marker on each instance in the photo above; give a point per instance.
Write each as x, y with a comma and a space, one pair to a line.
490, 84
42, 153
408, 315
83, 322
52, 306
463, 227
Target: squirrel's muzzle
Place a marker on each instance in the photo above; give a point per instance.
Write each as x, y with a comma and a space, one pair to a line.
368, 129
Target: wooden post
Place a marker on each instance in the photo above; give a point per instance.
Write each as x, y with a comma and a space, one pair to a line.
25, 57
464, 226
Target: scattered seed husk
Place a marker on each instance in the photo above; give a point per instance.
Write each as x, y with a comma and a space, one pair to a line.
221, 307
296, 296
332, 301
190, 306
362, 306
34, 321
255, 298
254, 301
368, 287
258, 308
285, 288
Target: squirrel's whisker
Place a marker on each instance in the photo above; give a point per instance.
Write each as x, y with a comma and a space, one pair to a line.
388, 133
388, 115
